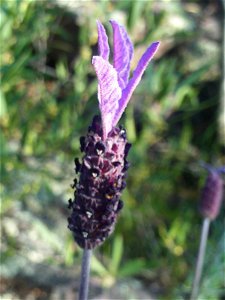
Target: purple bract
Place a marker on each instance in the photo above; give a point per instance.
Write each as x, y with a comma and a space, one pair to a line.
114, 86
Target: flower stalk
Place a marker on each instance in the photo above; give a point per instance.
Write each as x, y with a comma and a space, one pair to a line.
85, 272
200, 259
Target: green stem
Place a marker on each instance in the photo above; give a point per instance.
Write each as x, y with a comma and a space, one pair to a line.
85, 271
200, 259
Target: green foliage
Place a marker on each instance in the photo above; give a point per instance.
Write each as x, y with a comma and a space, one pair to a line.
48, 97
115, 268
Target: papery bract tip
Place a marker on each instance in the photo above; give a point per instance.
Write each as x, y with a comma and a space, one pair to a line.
133, 82
122, 53
103, 46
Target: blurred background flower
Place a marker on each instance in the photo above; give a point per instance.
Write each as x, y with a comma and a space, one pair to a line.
175, 118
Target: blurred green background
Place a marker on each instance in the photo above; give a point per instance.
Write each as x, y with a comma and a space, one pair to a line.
174, 120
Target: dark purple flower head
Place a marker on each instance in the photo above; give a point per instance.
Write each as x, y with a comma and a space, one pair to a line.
115, 88
212, 192
102, 179
103, 168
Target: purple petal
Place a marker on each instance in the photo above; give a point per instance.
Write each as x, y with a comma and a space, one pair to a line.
103, 46
109, 92
122, 53
133, 82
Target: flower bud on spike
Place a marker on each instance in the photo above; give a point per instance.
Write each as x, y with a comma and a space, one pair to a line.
212, 195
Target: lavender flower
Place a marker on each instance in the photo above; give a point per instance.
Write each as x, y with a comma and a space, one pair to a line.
103, 168
212, 193
210, 202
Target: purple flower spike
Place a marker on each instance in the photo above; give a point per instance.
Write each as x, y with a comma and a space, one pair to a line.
212, 196
115, 89
102, 171
212, 192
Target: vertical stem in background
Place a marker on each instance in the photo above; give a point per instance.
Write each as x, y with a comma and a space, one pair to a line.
200, 259
85, 271
222, 94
